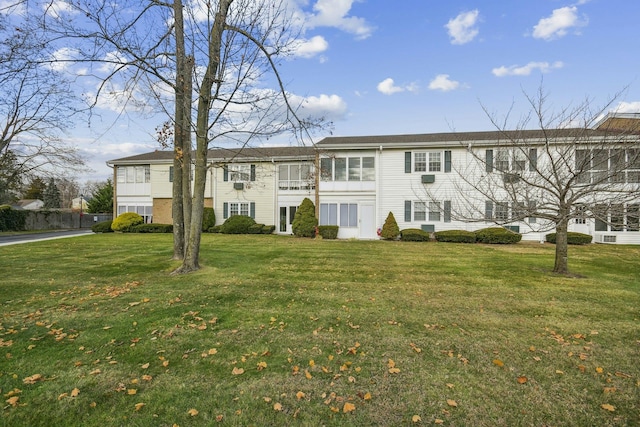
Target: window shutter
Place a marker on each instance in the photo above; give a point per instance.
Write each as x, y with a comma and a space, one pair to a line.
407, 162
488, 160
170, 173
253, 173
447, 211
447, 161
225, 210
252, 209
407, 210
533, 159
225, 173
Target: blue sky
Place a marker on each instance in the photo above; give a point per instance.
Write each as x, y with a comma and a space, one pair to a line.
421, 66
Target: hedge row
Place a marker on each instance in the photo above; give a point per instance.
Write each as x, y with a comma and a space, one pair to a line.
328, 231
12, 219
573, 238
493, 235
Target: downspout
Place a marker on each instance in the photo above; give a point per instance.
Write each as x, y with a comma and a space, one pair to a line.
115, 192
378, 165
276, 207
317, 182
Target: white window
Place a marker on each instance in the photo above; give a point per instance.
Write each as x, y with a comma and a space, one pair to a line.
502, 211
328, 214
502, 160
295, 177
134, 174
368, 169
348, 215
419, 211
420, 162
238, 208
434, 162
326, 169
434, 211
239, 173
341, 169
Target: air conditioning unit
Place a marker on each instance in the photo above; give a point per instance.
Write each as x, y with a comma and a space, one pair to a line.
238, 185
511, 178
428, 179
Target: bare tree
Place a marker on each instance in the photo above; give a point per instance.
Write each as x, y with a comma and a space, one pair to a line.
36, 106
223, 51
554, 169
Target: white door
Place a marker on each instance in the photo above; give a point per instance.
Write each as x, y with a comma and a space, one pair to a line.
367, 221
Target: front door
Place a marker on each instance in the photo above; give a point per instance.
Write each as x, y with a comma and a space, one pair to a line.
367, 221
287, 213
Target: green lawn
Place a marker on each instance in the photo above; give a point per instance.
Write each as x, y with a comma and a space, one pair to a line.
284, 331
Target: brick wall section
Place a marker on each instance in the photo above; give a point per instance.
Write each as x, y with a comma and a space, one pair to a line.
162, 210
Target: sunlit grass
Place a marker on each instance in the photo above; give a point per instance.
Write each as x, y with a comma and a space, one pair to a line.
478, 335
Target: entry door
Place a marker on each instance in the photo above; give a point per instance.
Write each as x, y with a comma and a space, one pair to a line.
287, 213
367, 221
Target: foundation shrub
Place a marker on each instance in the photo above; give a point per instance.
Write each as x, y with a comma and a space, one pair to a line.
255, 229
455, 236
152, 228
414, 235
573, 238
497, 235
305, 221
102, 227
390, 229
328, 231
124, 222
237, 224
268, 229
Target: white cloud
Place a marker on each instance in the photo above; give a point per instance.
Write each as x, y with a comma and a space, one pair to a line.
335, 13
388, 87
558, 24
443, 83
57, 8
525, 70
462, 29
62, 59
628, 107
330, 107
308, 48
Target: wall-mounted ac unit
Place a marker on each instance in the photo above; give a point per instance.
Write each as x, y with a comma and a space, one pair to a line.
238, 185
428, 179
511, 178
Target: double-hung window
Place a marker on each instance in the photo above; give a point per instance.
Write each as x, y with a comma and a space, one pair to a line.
434, 162
420, 162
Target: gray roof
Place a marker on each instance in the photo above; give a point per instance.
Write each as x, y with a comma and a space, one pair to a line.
223, 155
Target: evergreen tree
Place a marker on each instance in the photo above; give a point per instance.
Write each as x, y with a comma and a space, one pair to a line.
390, 229
35, 190
101, 199
305, 221
51, 196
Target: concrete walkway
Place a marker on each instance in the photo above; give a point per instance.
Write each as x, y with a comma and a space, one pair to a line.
16, 239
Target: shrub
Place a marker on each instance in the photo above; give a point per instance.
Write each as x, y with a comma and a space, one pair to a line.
305, 221
255, 229
328, 231
215, 229
573, 238
12, 219
497, 235
102, 227
268, 229
152, 228
390, 229
456, 236
208, 219
237, 224
125, 221
414, 235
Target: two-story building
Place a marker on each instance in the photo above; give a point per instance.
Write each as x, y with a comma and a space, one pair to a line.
438, 181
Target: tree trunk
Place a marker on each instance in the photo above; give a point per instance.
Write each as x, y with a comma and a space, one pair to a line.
177, 204
187, 198
562, 252
191, 259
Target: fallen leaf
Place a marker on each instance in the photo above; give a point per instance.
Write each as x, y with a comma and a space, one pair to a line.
300, 395
307, 374
394, 370
367, 396
212, 351
145, 366
147, 377
13, 401
599, 370
193, 412
95, 372
63, 395
139, 406
416, 418
132, 391
262, 365
277, 407
438, 421
75, 392
499, 363
348, 407
237, 371
451, 402
33, 379
608, 407
522, 379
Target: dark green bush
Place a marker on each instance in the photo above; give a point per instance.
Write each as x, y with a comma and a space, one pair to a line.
152, 228
255, 229
12, 219
414, 235
102, 227
305, 221
237, 224
390, 229
573, 238
125, 221
215, 229
456, 236
208, 219
497, 235
268, 229
328, 231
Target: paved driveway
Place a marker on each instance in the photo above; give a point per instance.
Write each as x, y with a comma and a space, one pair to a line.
15, 239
